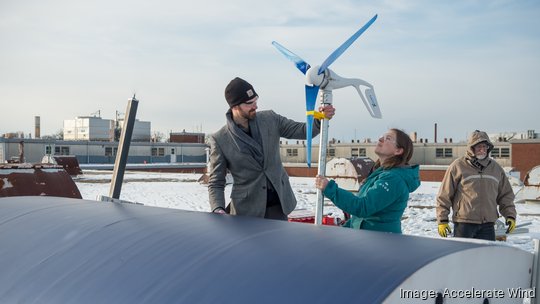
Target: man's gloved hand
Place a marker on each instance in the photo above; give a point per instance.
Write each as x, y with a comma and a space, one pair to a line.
444, 229
219, 210
511, 223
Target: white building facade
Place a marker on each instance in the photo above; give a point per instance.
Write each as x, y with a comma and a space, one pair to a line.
88, 128
94, 128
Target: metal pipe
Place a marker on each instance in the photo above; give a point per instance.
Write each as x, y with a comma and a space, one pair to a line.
326, 99
123, 148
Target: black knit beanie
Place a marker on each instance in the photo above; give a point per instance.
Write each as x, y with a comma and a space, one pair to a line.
239, 91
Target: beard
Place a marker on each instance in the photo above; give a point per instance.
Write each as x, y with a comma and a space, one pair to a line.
481, 156
249, 115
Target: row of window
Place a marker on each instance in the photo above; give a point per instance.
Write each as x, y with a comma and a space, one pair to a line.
495, 153
355, 152
443, 153
109, 151
439, 152
58, 150
158, 151
500, 153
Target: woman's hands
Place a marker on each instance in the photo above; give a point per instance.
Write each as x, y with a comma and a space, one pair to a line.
321, 182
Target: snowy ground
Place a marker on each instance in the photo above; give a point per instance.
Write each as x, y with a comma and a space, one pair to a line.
182, 191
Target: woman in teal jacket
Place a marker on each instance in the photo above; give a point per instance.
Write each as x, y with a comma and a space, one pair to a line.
383, 196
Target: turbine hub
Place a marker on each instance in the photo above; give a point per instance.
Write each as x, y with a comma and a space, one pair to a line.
313, 78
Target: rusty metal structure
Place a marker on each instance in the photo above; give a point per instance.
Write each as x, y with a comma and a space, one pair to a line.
36, 180
69, 163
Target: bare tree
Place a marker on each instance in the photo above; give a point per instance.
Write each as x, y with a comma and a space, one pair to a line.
59, 135
157, 136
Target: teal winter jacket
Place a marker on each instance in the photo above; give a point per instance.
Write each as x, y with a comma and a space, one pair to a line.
381, 201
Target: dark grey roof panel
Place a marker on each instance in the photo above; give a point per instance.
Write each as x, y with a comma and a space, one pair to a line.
60, 250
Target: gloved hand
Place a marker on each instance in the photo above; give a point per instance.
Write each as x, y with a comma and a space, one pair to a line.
444, 229
327, 111
316, 115
219, 210
511, 222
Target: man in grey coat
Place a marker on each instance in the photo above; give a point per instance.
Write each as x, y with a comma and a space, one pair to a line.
248, 147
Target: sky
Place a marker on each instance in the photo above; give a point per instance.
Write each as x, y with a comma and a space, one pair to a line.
464, 65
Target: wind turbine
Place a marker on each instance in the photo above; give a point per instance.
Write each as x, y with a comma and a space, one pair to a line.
321, 77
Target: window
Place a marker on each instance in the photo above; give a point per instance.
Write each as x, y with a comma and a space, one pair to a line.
331, 152
61, 150
362, 152
356, 152
158, 151
443, 152
500, 153
48, 150
110, 151
292, 152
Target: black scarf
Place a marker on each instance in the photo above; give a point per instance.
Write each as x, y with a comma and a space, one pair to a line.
245, 143
480, 164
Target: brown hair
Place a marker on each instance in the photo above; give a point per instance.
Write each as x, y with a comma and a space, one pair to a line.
404, 142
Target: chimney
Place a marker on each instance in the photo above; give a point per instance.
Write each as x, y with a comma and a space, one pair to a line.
37, 124
413, 136
435, 139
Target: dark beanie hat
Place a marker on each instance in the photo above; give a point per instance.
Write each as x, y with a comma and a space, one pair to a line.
239, 91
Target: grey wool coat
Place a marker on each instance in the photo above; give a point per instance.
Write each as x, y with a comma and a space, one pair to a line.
248, 196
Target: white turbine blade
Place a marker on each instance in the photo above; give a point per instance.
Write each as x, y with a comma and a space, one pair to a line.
370, 100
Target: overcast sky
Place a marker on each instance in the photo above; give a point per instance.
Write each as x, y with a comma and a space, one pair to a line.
464, 65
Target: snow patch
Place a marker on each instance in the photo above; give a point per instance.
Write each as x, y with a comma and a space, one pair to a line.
6, 183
